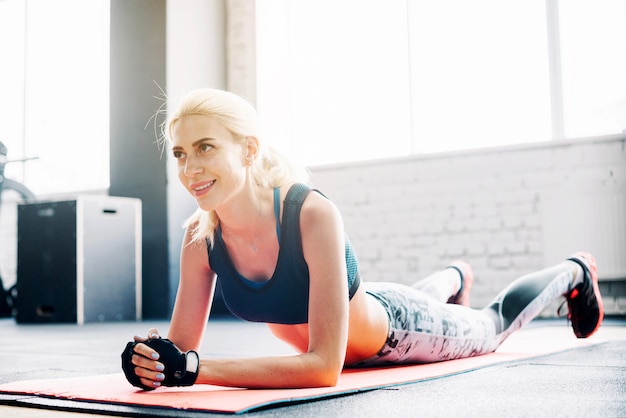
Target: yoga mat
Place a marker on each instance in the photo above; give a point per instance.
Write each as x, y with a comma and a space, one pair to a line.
88, 393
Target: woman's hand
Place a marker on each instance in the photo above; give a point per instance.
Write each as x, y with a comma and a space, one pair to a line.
140, 363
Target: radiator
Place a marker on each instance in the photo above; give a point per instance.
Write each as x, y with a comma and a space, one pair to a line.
595, 222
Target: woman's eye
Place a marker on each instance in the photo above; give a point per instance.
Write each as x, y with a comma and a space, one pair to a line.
178, 154
205, 147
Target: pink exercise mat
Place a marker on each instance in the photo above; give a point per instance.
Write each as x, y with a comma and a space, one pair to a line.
113, 389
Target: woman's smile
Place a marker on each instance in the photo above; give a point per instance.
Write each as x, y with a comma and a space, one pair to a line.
201, 188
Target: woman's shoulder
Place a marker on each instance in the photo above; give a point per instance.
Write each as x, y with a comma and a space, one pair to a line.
318, 208
304, 195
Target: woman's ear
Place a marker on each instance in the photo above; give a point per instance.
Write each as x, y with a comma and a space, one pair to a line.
252, 149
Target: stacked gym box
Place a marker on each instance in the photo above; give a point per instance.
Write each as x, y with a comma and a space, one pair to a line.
79, 260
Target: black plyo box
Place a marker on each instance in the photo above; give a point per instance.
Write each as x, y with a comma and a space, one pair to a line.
79, 260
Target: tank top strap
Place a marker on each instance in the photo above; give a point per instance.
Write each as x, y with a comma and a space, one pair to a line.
291, 210
277, 210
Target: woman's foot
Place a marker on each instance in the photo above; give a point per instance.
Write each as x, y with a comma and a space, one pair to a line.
462, 297
584, 301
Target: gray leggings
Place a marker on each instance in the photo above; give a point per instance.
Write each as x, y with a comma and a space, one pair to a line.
424, 330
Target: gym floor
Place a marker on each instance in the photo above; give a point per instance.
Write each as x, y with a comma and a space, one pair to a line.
589, 381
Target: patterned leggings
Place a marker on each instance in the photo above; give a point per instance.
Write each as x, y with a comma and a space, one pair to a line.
424, 330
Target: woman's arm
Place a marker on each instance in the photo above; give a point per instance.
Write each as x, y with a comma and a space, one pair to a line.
191, 311
324, 247
194, 297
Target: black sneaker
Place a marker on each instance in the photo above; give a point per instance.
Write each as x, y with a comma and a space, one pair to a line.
584, 301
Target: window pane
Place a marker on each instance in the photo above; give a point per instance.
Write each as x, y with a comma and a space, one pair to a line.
593, 39
12, 22
67, 95
333, 78
480, 73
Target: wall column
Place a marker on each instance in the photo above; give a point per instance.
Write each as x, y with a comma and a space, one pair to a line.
137, 168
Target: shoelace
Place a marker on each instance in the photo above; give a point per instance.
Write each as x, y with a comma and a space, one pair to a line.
572, 295
559, 310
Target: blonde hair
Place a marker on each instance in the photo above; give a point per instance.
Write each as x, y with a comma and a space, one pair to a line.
270, 169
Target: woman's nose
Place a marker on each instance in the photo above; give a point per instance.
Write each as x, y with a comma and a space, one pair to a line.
192, 166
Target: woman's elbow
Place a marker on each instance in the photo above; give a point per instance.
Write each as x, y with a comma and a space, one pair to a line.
327, 376
332, 380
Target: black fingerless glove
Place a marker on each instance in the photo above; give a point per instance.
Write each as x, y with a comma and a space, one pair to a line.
181, 369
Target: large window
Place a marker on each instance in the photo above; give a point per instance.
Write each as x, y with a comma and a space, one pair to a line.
352, 80
54, 92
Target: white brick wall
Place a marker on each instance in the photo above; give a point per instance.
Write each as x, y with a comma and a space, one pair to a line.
408, 217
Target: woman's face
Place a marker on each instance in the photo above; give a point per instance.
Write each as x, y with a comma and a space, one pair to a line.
211, 165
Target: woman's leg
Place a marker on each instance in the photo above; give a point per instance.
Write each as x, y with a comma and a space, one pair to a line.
423, 329
576, 279
451, 285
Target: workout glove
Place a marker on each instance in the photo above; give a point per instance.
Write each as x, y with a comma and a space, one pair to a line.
181, 369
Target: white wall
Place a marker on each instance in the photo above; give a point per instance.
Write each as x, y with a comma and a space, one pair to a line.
408, 217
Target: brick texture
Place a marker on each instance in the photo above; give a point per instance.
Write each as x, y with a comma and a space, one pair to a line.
408, 217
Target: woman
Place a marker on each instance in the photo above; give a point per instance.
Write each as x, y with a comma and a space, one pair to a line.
280, 252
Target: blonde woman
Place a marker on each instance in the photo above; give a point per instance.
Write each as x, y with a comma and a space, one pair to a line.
280, 252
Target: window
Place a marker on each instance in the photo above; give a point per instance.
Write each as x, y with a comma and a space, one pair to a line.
12, 50
55, 92
336, 80
333, 78
593, 51
479, 72
356, 80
